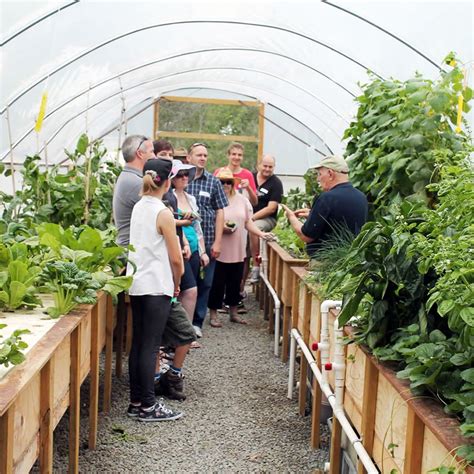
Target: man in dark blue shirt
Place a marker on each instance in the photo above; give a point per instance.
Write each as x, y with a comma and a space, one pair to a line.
339, 205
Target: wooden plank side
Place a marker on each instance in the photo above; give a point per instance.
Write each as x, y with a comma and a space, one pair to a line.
369, 405
75, 400
414, 444
390, 426
6, 441
356, 364
16, 380
62, 361
94, 377
85, 357
207, 136
27, 421
46, 417
198, 100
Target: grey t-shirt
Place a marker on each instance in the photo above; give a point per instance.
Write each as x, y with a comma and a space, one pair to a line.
126, 195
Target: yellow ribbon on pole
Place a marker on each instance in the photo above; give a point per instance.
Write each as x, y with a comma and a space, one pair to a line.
42, 112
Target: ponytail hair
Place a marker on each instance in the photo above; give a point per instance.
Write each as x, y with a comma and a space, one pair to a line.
151, 182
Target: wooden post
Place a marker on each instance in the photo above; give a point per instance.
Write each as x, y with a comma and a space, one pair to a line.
75, 400
109, 341
261, 130
46, 422
285, 331
369, 405
335, 454
6, 441
414, 443
304, 364
94, 388
156, 121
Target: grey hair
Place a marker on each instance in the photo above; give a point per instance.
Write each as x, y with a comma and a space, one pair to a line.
130, 146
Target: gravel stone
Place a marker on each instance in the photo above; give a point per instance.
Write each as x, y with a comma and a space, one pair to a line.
237, 417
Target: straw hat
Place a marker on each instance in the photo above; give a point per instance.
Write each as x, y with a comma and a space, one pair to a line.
225, 174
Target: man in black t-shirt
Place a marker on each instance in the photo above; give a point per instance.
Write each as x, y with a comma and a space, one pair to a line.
339, 205
269, 194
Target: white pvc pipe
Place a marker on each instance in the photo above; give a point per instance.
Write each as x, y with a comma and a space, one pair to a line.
323, 345
338, 411
276, 300
339, 364
291, 375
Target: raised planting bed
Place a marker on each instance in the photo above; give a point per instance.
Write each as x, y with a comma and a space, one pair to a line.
35, 394
402, 433
282, 280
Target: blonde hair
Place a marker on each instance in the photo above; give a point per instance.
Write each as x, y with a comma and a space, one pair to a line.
150, 185
237, 145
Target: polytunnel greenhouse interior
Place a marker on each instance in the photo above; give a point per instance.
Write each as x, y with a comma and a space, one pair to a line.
317, 160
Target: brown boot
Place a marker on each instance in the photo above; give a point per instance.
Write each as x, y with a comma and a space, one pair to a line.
172, 385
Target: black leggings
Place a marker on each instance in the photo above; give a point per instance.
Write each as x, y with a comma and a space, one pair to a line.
150, 314
227, 277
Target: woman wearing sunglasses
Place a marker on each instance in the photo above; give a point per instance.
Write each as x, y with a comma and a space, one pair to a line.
230, 263
189, 220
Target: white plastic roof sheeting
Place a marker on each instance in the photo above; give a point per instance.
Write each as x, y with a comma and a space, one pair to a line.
303, 59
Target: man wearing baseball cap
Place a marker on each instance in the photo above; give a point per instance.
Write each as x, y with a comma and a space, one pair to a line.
339, 205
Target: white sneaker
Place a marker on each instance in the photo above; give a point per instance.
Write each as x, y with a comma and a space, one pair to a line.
255, 275
198, 331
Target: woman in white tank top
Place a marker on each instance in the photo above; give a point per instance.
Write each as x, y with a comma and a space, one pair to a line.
159, 265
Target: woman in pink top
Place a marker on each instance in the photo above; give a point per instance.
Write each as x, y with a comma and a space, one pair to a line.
230, 263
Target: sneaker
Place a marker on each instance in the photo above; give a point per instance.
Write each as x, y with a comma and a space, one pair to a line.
133, 410
241, 309
224, 309
172, 386
198, 331
255, 275
160, 412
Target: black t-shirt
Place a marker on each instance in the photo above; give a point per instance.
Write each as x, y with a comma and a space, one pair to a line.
341, 205
270, 190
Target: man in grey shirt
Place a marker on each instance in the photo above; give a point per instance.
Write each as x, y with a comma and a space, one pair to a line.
136, 150
179, 332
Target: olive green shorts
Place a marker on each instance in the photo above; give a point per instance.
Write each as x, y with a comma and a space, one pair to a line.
178, 331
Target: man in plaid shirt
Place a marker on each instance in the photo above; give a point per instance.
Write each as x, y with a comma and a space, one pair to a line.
211, 201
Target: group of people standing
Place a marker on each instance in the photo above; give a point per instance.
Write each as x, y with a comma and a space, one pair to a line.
188, 235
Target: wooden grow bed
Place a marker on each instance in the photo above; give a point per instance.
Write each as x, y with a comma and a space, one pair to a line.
35, 394
281, 278
401, 432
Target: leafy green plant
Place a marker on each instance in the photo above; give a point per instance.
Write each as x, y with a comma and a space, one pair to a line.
69, 285
11, 347
18, 276
81, 194
401, 130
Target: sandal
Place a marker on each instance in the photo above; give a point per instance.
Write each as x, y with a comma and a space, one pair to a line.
215, 323
195, 345
238, 320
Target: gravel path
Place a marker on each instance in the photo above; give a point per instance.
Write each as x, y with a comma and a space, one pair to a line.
237, 417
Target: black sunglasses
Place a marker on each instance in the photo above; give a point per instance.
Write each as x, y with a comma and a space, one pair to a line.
194, 145
227, 181
182, 174
143, 140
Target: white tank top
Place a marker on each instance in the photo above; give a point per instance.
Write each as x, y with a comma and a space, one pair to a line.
153, 275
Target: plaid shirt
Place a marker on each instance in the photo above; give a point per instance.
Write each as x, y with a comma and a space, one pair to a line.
210, 196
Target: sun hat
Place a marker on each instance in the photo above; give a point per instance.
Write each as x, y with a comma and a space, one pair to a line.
333, 162
226, 174
159, 169
178, 166
180, 153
